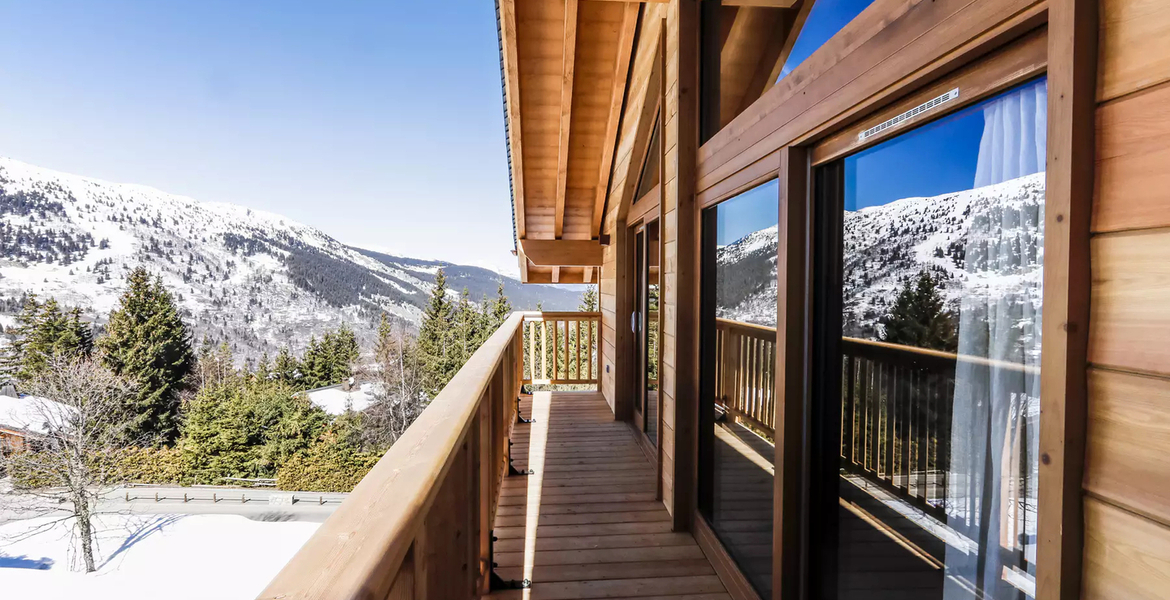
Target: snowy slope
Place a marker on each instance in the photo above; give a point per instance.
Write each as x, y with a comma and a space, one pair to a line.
143, 557
254, 278
889, 244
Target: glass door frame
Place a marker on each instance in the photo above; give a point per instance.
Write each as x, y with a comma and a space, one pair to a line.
825, 193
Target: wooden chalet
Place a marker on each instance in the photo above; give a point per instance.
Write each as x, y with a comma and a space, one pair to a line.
960, 211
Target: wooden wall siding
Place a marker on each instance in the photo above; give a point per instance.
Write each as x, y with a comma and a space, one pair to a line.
1133, 155
1135, 46
1126, 556
633, 134
1127, 508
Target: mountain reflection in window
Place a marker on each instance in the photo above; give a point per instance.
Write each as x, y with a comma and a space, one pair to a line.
741, 432
942, 270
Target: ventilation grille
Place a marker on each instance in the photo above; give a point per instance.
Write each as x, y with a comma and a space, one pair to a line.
910, 114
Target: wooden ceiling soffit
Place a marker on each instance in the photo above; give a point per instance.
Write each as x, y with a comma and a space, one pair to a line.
511, 76
613, 120
641, 105
761, 3
563, 253
568, 61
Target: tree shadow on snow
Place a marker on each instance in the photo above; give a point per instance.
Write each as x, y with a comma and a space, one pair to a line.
141, 532
24, 562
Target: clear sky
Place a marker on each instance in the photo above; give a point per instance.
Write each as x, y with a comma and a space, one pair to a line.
379, 122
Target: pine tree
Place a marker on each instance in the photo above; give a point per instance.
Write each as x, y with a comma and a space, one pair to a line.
919, 317
148, 342
43, 332
496, 311
263, 368
435, 338
286, 369
588, 300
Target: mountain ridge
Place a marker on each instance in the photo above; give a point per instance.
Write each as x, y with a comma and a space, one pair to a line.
253, 278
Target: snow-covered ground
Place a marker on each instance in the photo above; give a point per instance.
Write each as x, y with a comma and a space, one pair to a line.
148, 557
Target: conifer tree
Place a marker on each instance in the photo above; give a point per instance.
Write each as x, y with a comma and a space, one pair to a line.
43, 332
588, 300
286, 368
497, 311
435, 338
263, 368
147, 342
919, 317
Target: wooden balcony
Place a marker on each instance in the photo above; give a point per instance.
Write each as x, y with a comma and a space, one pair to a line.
585, 524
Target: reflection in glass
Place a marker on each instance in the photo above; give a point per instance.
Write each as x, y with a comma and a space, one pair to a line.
824, 20
740, 429
652, 330
942, 261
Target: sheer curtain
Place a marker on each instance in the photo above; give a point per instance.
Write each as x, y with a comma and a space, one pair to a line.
991, 488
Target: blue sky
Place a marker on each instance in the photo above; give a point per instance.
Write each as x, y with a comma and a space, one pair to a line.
378, 122
826, 18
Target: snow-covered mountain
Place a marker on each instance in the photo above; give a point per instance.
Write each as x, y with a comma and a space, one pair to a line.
975, 240
256, 279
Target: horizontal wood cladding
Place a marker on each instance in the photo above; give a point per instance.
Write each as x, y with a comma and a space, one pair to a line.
1134, 47
867, 57
1126, 556
1127, 509
1133, 162
1130, 321
1128, 449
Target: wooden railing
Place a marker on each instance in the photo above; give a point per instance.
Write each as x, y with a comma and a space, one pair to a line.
562, 348
418, 525
745, 373
896, 412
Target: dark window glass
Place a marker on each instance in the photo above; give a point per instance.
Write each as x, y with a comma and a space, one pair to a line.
649, 176
738, 418
933, 362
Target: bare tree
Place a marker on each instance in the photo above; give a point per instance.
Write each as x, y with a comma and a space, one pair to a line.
80, 409
397, 374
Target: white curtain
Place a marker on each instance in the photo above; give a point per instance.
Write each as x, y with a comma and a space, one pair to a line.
991, 485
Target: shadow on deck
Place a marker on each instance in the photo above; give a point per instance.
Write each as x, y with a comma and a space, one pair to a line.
586, 524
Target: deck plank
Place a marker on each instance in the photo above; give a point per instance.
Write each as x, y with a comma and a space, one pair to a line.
586, 523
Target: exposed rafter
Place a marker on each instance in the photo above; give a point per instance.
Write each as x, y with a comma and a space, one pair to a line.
568, 60
563, 253
620, 75
792, 27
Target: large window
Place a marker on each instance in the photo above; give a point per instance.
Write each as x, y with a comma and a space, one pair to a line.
738, 411
927, 276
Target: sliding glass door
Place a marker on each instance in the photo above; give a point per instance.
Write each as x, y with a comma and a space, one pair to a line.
927, 280
738, 405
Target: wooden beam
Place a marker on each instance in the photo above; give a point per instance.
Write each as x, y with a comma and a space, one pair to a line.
621, 73
523, 259
556, 278
563, 253
1072, 103
512, 100
795, 24
568, 60
587, 275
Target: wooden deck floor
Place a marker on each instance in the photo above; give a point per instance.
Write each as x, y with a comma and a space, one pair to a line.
586, 524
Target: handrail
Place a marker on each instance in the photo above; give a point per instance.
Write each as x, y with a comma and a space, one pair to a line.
382, 539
